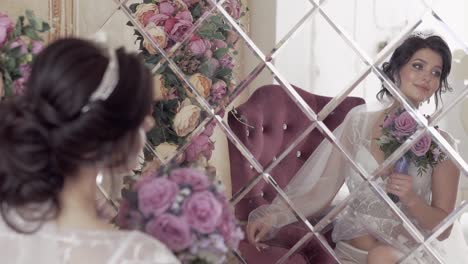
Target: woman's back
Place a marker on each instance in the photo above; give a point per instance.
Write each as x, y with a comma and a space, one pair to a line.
53, 246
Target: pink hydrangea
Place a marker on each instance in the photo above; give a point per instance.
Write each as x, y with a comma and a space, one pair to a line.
218, 90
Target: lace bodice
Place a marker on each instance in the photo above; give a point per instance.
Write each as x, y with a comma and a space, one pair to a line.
50, 246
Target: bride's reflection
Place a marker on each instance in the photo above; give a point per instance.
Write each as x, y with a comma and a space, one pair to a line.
425, 189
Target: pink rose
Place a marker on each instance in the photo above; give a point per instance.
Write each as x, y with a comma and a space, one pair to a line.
159, 19
196, 179
178, 26
233, 7
422, 146
404, 124
199, 46
218, 90
37, 46
156, 196
167, 8
173, 231
203, 212
6, 26
209, 128
389, 119
200, 145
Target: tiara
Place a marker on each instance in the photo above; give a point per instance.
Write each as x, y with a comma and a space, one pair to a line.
108, 82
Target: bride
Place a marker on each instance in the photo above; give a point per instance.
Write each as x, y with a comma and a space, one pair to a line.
367, 231
85, 112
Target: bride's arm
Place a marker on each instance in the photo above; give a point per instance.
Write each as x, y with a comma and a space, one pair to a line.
445, 178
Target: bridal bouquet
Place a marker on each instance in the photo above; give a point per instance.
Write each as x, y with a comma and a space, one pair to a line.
182, 208
205, 55
397, 128
19, 44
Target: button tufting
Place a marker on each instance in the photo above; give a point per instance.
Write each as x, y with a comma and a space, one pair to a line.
298, 154
251, 167
262, 194
285, 126
262, 129
274, 158
248, 132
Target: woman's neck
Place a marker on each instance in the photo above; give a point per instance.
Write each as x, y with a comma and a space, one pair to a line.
78, 203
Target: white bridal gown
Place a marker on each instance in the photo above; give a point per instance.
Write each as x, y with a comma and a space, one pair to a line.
316, 184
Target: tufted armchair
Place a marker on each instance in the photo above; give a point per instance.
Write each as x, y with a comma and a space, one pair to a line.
276, 122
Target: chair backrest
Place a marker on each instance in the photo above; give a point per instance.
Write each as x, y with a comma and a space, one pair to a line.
274, 122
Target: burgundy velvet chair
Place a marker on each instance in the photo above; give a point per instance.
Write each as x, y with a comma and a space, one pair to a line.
276, 122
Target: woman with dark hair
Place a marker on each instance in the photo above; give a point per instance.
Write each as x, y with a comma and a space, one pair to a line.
367, 231
85, 113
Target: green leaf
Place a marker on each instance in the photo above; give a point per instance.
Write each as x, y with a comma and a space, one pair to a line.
223, 72
219, 35
148, 1
18, 27
31, 33
129, 23
197, 12
133, 7
219, 53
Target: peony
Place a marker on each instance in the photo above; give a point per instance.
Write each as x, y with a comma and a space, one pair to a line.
200, 145
196, 179
145, 12
173, 231
160, 91
219, 90
156, 196
422, 146
405, 124
6, 26
158, 35
203, 212
186, 120
201, 83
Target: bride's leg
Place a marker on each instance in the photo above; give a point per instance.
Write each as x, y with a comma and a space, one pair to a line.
383, 254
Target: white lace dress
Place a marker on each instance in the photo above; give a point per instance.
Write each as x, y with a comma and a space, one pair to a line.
50, 246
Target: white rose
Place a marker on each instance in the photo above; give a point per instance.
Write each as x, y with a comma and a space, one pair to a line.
166, 150
186, 120
158, 35
160, 91
201, 83
143, 9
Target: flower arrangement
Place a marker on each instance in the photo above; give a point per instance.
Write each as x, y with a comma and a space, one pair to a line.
205, 55
182, 208
19, 44
398, 126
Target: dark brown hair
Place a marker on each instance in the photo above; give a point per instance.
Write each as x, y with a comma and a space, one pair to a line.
45, 136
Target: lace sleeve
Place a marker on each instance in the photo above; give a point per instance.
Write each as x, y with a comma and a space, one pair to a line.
315, 185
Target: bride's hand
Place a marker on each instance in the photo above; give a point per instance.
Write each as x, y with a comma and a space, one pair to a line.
258, 229
402, 186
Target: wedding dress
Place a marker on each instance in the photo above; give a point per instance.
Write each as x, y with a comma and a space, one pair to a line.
316, 184
50, 245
